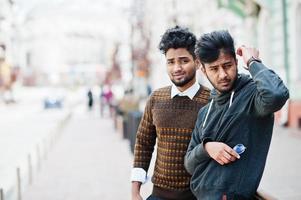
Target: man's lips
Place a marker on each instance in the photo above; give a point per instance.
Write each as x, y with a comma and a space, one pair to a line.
224, 83
178, 76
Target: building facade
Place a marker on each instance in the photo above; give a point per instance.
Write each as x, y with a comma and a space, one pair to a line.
275, 30
274, 27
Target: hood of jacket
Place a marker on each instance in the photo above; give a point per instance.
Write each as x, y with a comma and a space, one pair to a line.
222, 98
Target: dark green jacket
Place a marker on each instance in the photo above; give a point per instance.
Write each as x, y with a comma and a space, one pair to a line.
249, 121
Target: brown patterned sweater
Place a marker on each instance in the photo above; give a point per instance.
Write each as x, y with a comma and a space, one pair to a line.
171, 122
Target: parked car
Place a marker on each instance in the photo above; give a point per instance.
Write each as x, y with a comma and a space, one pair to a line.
53, 98
52, 102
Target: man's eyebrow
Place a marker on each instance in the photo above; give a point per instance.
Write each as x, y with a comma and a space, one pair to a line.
180, 58
212, 66
183, 57
229, 62
225, 63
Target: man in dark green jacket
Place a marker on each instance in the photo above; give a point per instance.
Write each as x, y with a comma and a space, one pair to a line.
240, 112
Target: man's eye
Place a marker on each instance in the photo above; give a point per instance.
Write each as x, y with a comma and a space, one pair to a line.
185, 61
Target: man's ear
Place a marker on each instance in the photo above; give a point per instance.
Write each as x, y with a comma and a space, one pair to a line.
197, 63
203, 69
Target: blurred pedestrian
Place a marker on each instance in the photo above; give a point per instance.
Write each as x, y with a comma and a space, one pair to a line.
90, 99
101, 100
169, 118
6, 81
238, 120
108, 98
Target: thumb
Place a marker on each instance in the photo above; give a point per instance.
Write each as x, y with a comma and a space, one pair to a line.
239, 51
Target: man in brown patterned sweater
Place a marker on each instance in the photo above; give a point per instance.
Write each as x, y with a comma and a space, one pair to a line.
169, 118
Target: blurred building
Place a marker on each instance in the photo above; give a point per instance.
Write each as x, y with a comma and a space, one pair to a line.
93, 40
70, 43
272, 26
153, 17
7, 71
6, 26
275, 28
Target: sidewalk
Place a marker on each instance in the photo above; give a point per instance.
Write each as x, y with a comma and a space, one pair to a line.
24, 129
282, 175
90, 161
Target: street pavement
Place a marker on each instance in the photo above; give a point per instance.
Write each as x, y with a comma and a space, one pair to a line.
282, 175
89, 161
24, 127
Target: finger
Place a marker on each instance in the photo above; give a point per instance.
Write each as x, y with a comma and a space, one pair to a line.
233, 158
239, 51
225, 160
227, 155
232, 152
220, 161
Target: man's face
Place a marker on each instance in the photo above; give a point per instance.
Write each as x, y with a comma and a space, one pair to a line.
181, 67
221, 73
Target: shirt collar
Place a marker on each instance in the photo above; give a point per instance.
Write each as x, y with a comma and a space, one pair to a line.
190, 92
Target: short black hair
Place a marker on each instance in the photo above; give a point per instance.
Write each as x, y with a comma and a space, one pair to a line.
210, 45
178, 37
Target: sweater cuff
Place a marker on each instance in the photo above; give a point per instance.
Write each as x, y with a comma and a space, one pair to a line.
206, 139
139, 175
256, 68
202, 153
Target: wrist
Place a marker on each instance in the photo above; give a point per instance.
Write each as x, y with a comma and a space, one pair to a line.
136, 187
206, 145
205, 141
251, 60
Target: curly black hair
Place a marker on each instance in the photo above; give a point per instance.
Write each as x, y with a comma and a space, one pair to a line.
178, 37
209, 46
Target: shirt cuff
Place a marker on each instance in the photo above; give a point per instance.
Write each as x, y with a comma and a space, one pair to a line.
138, 174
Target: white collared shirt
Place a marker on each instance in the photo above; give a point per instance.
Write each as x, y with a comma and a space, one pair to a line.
190, 92
139, 174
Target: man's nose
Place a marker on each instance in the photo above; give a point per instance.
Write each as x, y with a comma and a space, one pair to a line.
222, 73
177, 66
